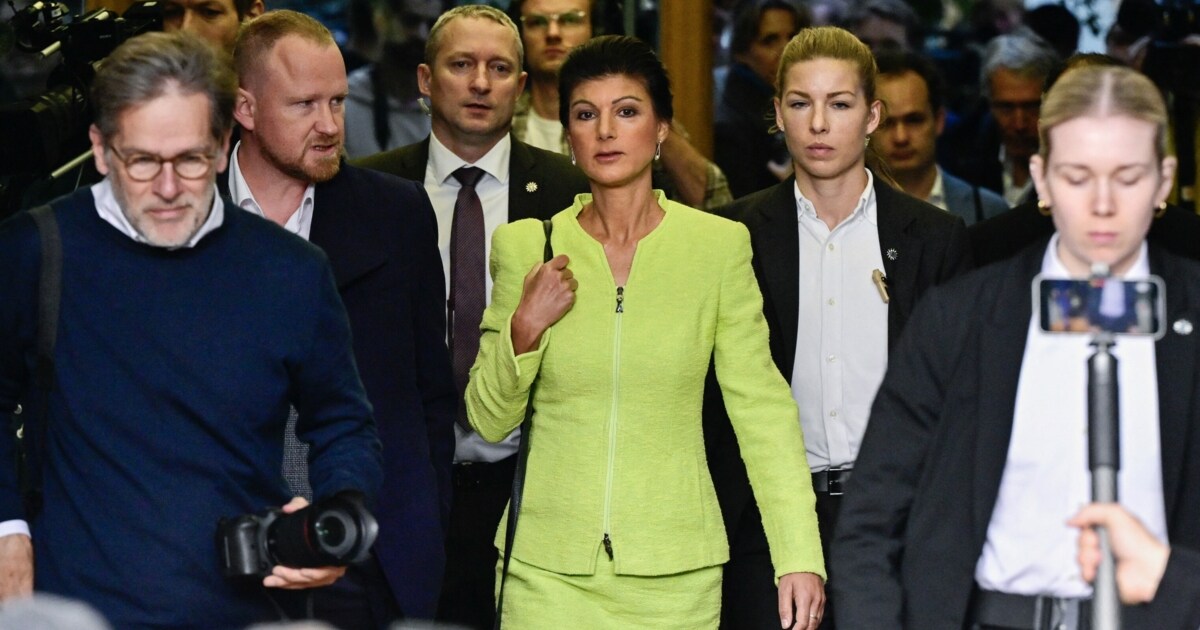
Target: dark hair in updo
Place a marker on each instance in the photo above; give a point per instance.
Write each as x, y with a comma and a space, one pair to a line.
615, 55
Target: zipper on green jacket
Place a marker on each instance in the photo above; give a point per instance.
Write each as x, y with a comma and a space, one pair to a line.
612, 422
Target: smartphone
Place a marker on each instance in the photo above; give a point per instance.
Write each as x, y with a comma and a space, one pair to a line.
1096, 305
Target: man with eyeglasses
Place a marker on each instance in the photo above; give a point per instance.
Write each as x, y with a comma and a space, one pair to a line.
184, 331
380, 234
550, 29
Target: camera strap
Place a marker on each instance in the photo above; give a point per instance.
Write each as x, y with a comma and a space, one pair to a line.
31, 418
518, 487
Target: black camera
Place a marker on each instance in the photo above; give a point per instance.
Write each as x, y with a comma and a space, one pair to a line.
337, 531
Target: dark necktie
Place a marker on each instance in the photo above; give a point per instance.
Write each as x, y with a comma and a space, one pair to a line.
468, 278
295, 459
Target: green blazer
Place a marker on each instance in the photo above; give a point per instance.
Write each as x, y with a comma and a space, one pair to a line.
617, 446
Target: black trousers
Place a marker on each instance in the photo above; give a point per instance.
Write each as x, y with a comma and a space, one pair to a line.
481, 491
749, 598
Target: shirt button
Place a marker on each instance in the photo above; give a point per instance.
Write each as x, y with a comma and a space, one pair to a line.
833, 414
831, 247
832, 301
831, 358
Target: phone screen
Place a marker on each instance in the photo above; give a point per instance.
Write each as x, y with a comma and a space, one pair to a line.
1092, 306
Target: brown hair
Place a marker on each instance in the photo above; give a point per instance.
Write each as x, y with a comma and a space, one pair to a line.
258, 36
1103, 91
151, 65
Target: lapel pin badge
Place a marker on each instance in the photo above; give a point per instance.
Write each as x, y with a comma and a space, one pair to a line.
892, 254
1182, 327
531, 187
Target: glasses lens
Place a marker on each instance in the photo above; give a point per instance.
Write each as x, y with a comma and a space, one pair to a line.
191, 166
573, 18
142, 167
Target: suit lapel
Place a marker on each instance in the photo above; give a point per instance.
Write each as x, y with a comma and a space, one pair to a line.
1175, 363
1001, 351
339, 229
778, 252
901, 255
524, 202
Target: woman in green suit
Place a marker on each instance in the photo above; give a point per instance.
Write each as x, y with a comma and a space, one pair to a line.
620, 525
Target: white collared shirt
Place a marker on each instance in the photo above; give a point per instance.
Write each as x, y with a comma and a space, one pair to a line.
1013, 194
841, 336
492, 189
1030, 549
937, 194
299, 223
109, 210
543, 133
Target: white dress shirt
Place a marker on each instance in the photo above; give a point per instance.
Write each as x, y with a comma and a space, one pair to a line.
1013, 194
299, 223
492, 189
1030, 549
937, 194
109, 210
841, 336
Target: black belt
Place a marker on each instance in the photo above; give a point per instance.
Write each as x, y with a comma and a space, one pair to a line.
992, 609
831, 481
485, 474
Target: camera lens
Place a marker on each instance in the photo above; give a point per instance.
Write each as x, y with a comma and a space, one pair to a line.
331, 528
335, 531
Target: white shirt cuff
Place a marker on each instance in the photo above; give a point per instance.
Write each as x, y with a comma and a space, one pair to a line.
8, 528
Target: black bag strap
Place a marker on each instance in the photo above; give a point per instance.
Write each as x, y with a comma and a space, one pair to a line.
33, 429
518, 487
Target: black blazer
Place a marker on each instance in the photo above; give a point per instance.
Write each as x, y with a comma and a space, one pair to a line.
540, 182
915, 516
380, 235
1002, 236
930, 247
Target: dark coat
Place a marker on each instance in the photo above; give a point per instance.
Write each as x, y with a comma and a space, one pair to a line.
380, 235
540, 182
930, 247
916, 512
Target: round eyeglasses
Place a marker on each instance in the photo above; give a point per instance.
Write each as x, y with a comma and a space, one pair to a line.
143, 167
568, 19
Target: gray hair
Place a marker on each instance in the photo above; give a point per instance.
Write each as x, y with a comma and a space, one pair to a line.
152, 64
1021, 52
482, 11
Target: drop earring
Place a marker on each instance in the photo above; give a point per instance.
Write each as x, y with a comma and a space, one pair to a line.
658, 150
572, 151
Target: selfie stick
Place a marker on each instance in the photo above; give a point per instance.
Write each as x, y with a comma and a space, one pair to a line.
1104, 460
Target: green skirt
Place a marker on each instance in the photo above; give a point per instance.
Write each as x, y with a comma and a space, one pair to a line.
535, 598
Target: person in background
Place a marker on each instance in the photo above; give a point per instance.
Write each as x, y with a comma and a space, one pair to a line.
746, 146
993, 150
217, 21
383, 108
976, 453
472, 77
641, 287
552, 28
841, 259
885, 25
910, 87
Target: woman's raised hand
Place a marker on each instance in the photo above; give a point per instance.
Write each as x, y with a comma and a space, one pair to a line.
548, 294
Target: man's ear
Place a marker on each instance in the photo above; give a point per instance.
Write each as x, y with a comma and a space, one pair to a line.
243, 109
255, 10
424, 78
98, 149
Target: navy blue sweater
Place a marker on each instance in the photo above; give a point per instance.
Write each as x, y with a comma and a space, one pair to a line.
174, 374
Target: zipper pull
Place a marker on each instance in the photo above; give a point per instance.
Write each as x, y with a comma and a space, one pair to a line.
620, 309
608, 546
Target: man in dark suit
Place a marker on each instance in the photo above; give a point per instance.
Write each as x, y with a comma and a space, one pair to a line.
380, 235
918, 510
472, 77
920, 246
912, 90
